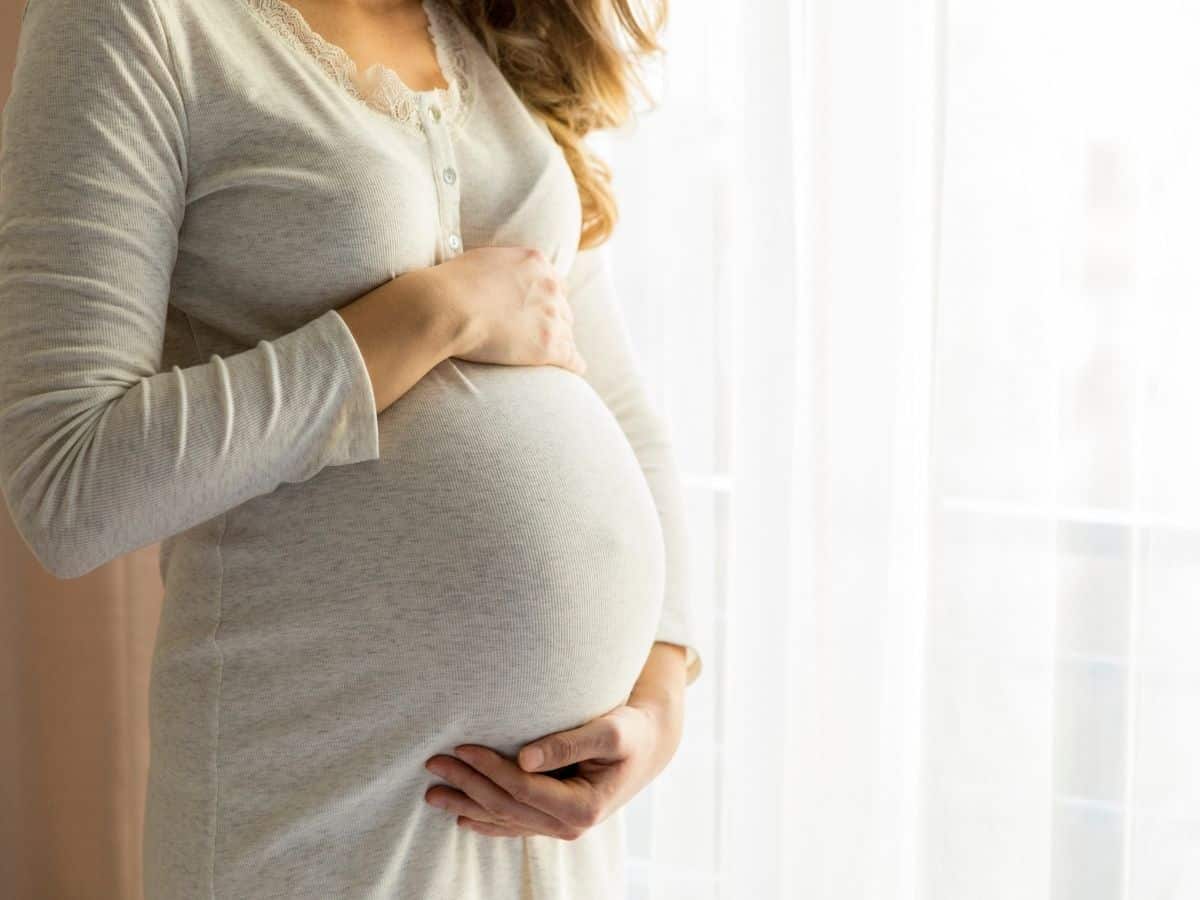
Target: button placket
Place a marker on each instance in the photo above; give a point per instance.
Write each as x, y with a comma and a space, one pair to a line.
445, 171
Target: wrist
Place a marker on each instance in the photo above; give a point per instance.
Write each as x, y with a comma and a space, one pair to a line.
447, 323
664, 675
663, 711
660, 687
659, 693
419, 296
660, 702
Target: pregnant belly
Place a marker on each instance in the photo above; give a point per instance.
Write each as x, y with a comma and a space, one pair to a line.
494, 576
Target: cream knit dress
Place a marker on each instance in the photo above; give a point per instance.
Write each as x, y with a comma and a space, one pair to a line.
189, 189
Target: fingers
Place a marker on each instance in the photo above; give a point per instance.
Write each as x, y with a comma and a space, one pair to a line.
456, 802
558, 342
551, 284
470, 814
558, 290
569, 801
557, 347
489, 800
568, 356
573, 359
601, 739
577, 363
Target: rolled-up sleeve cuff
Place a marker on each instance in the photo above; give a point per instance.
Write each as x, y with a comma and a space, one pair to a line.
360, 422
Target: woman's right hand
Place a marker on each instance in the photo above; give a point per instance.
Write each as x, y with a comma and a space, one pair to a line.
512, 304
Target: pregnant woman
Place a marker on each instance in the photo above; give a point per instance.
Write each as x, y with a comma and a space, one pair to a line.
316, 295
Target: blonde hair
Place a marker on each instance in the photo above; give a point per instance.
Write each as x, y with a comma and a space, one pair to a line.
564, 59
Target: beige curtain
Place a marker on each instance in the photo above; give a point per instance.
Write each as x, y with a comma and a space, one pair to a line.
74, 665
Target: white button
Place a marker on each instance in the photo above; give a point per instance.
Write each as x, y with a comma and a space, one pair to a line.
455, 243
436, 112
449, 175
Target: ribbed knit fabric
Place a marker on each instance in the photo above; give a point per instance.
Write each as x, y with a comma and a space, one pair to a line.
189, 189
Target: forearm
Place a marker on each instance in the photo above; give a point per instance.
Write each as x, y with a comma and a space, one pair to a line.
402, 333
659, 692
662, 678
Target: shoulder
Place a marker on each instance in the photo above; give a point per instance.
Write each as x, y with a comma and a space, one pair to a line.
94, 21
149, 22
97, 33
95, 10
76, 56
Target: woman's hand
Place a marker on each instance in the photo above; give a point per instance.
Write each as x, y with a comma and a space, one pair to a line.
607, 761
512, 304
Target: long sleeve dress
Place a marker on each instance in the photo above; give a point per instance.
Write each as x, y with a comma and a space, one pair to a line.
189, 189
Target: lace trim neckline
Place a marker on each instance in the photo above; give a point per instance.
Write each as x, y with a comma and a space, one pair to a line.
383, 90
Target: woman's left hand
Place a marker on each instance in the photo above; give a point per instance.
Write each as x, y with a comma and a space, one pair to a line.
610, 760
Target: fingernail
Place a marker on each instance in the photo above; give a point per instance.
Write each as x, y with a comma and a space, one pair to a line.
534, 758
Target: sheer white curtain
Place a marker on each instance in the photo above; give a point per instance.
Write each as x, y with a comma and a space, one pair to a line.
915, 286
